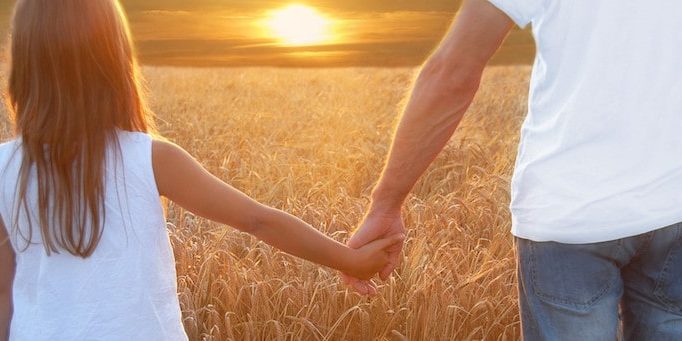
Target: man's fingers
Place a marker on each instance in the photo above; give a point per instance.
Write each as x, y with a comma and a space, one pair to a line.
351, 281
347, 280
370, 230
394, 240
394, 261
365, 288
362, 287
388, 244
387, 271
359, 286
363, 236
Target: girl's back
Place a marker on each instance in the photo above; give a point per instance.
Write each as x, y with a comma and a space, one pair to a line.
79, 189
127, 288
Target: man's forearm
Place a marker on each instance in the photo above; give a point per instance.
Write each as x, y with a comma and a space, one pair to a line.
442, 94
438, 103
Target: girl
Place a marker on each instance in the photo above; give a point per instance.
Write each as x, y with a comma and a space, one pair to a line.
84, 253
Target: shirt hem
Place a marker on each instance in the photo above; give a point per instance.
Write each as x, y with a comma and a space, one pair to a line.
581, 235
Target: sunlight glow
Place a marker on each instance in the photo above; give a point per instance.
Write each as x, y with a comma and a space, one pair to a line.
299, 25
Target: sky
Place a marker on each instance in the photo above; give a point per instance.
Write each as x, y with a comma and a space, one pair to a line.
236, 33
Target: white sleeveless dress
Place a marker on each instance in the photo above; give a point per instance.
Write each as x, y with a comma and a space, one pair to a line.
127, 289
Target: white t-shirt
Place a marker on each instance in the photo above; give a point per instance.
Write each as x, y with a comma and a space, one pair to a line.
127, 289
600, 156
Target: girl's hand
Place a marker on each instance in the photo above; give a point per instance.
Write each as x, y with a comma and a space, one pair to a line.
365, 262
382, 221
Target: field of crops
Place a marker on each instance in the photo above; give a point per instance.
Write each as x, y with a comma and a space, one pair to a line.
312, 142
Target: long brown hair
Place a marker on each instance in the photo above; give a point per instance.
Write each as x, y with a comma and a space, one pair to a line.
73, 82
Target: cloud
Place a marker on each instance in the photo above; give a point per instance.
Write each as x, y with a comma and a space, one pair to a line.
198, 25
230, 33
258, 52
165, 12
394, 26
346, 5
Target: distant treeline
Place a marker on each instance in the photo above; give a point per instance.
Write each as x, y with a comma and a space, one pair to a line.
519, 48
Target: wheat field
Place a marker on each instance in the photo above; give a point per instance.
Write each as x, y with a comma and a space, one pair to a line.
312, 142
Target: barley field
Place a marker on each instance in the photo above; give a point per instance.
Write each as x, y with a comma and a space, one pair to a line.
312, 142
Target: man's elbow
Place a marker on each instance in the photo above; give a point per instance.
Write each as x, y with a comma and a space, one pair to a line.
452, 79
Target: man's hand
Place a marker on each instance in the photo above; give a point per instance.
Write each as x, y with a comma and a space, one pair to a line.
378, 224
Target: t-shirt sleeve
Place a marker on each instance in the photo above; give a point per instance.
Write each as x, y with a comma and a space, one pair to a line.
521, 11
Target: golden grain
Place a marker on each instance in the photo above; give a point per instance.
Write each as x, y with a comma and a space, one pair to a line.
312, 143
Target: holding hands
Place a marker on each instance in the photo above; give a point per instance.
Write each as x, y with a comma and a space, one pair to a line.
373, 257
379, 225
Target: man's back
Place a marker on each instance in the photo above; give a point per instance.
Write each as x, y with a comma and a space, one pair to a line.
599, 153
598, 161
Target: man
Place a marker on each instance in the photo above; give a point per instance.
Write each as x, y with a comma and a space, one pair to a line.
597, 188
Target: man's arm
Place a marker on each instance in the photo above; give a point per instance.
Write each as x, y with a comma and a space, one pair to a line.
442, 93
7, 267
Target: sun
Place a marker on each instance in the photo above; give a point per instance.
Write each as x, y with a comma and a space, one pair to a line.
299, 25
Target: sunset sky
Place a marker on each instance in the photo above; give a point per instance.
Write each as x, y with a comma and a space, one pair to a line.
240, 32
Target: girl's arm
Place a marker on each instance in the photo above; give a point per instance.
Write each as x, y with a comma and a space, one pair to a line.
182, 179
7, 267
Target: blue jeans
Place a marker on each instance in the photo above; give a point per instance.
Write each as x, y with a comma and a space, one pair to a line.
627, 289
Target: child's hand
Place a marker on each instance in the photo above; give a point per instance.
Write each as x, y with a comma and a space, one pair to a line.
368, 260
